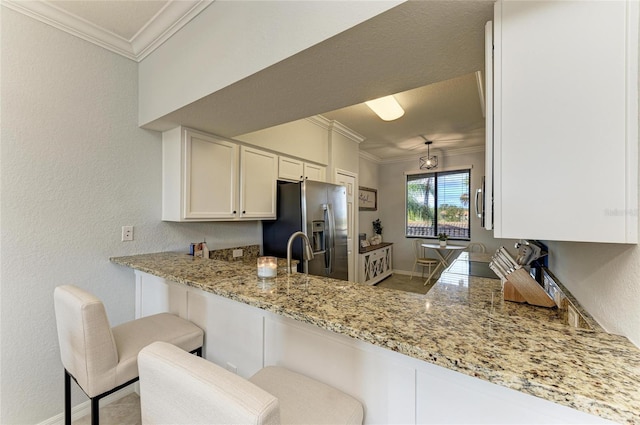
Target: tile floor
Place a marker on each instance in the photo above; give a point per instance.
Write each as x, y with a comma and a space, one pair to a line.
403, 282
125, 411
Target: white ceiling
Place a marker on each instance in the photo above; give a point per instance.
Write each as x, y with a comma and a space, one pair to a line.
425, 52
448, 113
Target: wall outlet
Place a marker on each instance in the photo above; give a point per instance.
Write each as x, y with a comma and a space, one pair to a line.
237, 253
573, 318
232, 368
127, 233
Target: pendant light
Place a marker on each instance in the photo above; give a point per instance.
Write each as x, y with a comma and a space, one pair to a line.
428, 162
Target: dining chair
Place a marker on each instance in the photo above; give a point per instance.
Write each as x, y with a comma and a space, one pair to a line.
420, 260
102, 359
476, 247
176, 388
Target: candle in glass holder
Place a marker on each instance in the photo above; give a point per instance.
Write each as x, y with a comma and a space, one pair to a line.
267, 267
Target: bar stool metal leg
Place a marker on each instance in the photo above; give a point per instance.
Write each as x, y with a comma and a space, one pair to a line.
95, 411
67, 398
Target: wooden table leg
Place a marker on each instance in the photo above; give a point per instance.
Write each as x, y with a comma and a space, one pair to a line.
432, 273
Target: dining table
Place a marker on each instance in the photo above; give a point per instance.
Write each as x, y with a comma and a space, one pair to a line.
444, 254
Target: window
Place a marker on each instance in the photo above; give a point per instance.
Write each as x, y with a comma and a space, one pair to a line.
438, 203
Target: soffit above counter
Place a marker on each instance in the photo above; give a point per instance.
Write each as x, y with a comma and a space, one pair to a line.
408, 46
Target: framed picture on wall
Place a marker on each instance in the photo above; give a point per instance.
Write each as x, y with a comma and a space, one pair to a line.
367, 199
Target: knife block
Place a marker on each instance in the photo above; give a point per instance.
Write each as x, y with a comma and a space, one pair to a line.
510, 293
521, 287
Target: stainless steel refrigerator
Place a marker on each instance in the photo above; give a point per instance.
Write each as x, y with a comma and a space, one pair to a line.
320, 211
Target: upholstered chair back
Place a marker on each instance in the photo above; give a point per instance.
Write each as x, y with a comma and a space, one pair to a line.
87, 346
177, 388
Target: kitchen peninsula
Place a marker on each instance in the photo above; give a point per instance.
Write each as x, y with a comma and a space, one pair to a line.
410, 358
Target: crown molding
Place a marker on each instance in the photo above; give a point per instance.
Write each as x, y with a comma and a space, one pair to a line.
163, 25
370, 157
320, 121
346, 131
169, 20
336, 126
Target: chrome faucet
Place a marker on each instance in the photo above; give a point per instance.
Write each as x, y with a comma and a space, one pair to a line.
307, 252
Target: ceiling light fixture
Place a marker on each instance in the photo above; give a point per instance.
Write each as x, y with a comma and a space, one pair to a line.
428, 162
386, 107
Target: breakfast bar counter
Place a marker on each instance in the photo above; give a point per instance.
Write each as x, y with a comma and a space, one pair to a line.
462, 324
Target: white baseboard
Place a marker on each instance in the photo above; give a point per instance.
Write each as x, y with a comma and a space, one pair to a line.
84, 409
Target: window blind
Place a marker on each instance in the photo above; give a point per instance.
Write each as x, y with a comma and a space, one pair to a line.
438, 203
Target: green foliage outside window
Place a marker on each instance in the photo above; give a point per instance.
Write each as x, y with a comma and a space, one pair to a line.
437, 203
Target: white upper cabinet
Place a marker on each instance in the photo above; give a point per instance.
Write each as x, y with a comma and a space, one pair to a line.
565, 145
258, 183
290, 169
296, 170
314, 172
205, 178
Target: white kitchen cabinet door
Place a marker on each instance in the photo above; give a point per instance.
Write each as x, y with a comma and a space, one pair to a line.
259, 171
296, 170
566, 120
200, 176
211, 178
290, 169
314, 172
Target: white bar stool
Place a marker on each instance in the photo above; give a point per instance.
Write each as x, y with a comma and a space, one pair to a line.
102, 359
177, 388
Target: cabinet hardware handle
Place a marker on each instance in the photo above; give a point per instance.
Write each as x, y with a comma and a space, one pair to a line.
478, 210
234, 211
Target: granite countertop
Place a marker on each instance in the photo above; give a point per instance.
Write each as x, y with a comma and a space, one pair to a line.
461, 324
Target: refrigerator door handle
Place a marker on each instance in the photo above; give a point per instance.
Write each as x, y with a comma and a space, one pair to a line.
478, 208
330, 238
327, 238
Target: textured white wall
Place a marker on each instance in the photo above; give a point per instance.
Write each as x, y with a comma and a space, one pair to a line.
392, 206
605, 278
302, 139
75, 168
